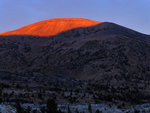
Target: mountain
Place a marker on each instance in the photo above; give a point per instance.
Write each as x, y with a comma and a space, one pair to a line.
52, 27
79, 52
110, 57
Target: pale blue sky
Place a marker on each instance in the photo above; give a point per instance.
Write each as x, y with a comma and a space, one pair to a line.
134, 14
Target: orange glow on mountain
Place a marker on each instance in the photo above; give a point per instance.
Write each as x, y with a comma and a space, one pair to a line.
52, 27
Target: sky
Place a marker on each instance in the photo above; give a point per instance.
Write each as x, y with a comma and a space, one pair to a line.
134, 14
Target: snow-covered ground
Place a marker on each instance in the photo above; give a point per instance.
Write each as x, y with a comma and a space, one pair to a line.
7, 109
84, 108
103, 108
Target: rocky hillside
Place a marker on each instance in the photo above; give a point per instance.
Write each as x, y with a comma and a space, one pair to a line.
104, 54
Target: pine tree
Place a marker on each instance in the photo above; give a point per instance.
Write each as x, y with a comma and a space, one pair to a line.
1, 100
97, 111
19, 109
51, 106
69, 109
28, 110
42, 109
76, 110
90, 108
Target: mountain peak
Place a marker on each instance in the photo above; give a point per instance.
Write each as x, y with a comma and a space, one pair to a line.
52, 27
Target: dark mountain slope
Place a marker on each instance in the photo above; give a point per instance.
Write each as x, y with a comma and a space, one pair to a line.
94, 51
106, 55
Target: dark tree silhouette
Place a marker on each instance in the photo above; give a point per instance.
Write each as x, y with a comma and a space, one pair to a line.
90, 108
19, 109
51, 106
69, 109
1, 100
